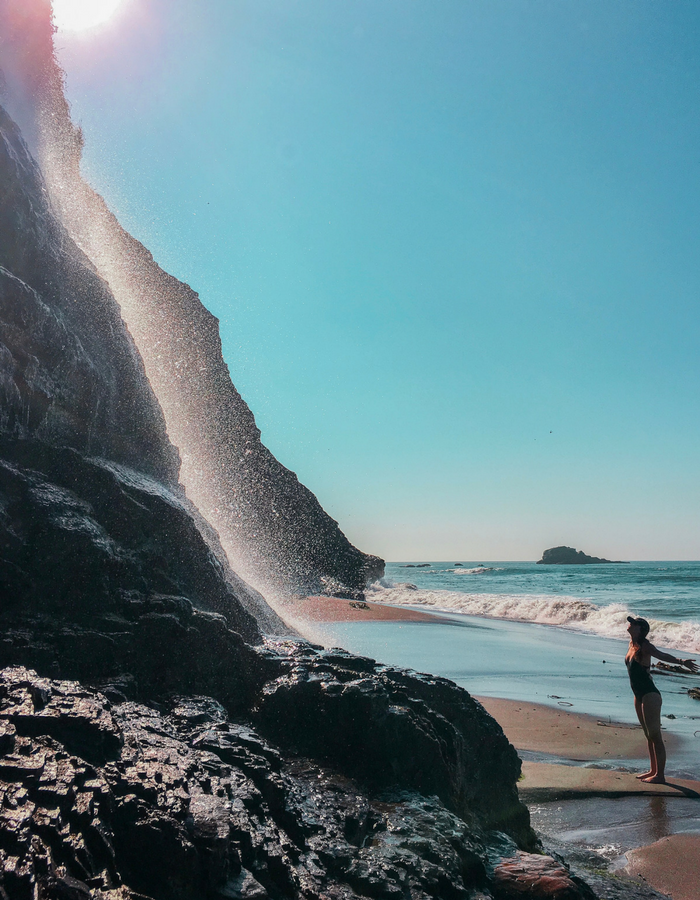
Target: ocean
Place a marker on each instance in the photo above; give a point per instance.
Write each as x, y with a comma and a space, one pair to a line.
595, 598
549, 634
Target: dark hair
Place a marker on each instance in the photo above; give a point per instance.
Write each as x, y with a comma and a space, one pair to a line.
643, 626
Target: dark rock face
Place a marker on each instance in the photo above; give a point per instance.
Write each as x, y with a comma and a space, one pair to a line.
105, 536
69, 373
71, 377
380, 726
385, 726
567, 556
273, 528
180, 803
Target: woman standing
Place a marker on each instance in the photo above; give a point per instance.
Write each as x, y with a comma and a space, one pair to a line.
647, 699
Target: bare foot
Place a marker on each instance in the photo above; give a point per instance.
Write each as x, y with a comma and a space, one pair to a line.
645, 775
655, 779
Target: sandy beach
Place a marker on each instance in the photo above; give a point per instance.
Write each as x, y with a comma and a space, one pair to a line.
578, 765
577, 737
337, 609
671, 865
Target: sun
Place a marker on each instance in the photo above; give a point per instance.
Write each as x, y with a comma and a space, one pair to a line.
79, 15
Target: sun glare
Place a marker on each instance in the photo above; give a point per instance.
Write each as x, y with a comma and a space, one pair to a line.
79, 15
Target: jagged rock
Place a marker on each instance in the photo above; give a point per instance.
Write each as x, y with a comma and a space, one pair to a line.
69, 372
568, 556
383, 726
70, 377
103, 534
185, 804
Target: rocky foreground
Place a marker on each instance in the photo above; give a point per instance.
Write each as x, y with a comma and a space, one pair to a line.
103, 797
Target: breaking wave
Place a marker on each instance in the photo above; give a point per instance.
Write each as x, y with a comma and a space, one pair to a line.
479, 570
542, 609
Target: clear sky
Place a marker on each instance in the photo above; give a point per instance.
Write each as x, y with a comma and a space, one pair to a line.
454, 247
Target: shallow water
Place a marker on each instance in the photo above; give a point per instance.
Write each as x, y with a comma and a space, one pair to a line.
612, 827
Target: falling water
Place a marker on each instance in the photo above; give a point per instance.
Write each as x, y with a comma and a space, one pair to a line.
272, 528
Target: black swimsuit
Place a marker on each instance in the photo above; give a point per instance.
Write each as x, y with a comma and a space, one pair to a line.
640, 679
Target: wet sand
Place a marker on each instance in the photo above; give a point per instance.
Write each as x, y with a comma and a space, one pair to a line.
546, 782
671, 865
337, 609
573, 736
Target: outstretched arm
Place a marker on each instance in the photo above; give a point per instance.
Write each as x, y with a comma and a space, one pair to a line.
666, 657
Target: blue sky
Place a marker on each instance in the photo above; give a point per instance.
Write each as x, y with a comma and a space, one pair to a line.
454, 248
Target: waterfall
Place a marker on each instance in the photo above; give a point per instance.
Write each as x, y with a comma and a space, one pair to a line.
272, 528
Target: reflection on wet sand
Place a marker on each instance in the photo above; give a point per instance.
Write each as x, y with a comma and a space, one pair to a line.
659, 818
619, 824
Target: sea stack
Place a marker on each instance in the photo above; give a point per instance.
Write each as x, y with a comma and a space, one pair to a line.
568, 556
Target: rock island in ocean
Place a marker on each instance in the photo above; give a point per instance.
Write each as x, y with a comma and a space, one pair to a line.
568, 556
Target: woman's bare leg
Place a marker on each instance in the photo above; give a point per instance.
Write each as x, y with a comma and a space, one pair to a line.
652, 753
651, 710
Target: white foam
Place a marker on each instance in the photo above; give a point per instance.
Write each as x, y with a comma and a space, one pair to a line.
543, 609
479, 570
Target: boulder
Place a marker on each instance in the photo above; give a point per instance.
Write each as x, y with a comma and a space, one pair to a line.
536, 877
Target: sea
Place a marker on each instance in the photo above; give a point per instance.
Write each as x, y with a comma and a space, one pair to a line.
554, 635
592, 598
548, 634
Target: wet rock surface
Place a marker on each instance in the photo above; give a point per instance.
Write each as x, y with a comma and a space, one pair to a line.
88, 476
94, 544
69, 371
387, 726
117, 800
534, 875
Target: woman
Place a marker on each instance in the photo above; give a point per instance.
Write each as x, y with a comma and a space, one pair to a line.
647, 699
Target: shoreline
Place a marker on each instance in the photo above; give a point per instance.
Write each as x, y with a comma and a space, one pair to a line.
574, 736
327, 609
575, 764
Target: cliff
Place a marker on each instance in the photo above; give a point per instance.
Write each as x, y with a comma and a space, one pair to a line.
158, 746
274, 531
